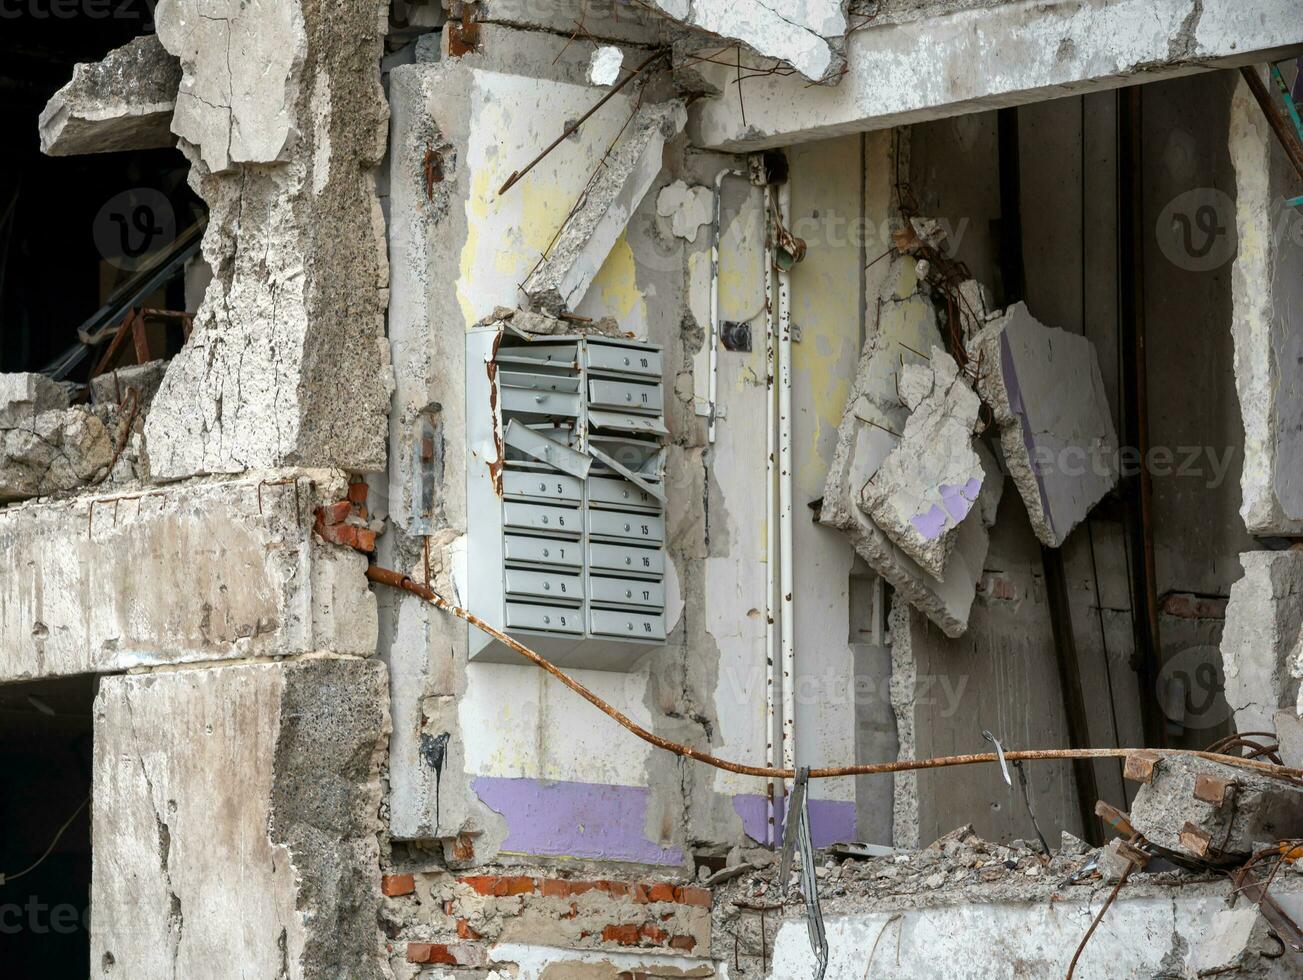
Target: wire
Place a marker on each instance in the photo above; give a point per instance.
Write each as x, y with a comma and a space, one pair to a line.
397, 580
5, 879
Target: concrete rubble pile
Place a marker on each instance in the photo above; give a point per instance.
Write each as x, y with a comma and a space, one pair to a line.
913, 482
50, 446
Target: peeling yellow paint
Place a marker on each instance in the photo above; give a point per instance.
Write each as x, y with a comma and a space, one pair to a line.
616, 284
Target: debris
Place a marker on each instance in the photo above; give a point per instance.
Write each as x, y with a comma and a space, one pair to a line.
1045, 389
111, 388
545, 324
53, 452
595, 225
906, 324
123, 102
1212, 811
24, 396
930, 481
604, 67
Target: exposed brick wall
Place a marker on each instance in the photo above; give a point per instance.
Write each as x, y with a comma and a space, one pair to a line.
454, 920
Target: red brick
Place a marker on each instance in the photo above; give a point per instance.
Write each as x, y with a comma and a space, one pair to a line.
625, 935
684, 944
662, 891
345, 534
555, 888
395, 885
695, 896
357, 493
499, 886
430, 953
366, 539
464, 930
336, 513
616, 889
654, 933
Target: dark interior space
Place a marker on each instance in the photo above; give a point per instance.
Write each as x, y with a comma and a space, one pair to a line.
56, 213
45, 785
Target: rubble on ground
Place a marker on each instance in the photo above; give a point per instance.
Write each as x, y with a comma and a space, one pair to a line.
1046, 391
46, 445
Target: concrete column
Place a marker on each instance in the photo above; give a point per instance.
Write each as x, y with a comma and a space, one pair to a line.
236, 814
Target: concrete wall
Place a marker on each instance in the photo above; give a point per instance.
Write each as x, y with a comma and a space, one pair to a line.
179, 574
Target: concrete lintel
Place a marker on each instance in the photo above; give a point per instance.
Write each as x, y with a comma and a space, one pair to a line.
989, 57
180, 574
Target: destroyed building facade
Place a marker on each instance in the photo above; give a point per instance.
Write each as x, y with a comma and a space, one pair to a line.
813, 385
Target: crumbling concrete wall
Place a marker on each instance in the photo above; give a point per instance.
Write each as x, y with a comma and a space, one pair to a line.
1267, 323
202, 572
1262, 644
236, 813
282, 117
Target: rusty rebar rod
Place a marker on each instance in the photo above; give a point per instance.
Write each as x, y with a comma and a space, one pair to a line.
574, 126
397, 580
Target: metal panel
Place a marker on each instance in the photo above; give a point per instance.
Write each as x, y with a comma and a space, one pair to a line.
620, 493
542, 551
541, 485
626, 592
627, 422
530, 402
553, 619
548, 450
540, 382
625, 394
617, 524
552, 585
632, 625
630, 360
536, 517
618, 558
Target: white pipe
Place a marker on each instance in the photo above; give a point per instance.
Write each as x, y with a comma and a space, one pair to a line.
713, 370
785, 577
771, 519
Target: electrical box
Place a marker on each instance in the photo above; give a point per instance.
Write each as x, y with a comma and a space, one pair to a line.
565, 496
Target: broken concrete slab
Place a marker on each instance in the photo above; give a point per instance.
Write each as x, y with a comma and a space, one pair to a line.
605, 20
111, 388
903, 73
1260, 642
238, 808
1045, 389
52, 453
287, 364
810, 36
23, 396
254, 581
122, 102
593, 228
906, 322
1209, 810
1267, 294
930, 481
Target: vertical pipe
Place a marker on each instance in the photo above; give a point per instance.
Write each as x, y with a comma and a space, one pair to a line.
785, 577
771, 516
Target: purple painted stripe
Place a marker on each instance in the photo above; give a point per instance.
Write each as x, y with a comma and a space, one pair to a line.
591, 820
831, 821
930, 524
